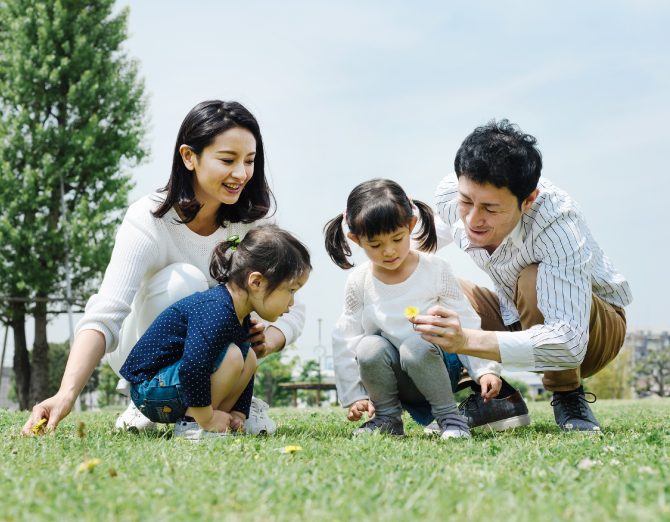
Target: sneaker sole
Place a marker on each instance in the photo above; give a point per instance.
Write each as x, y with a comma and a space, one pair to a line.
506, 424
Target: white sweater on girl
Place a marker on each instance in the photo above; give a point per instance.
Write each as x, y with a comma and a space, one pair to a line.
146, 244
372, 307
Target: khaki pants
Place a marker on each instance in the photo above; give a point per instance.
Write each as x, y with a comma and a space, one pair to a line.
607, 326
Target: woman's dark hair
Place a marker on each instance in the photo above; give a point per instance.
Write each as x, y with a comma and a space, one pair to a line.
276, 254
500, 154
378, 206
199, 130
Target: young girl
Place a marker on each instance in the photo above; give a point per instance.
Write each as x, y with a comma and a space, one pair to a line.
193, 366
378, 357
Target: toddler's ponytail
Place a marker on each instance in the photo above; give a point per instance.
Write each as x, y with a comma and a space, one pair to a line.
220, 264
336, 242
427, 236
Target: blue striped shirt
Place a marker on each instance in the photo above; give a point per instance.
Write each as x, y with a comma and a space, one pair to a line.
572, 267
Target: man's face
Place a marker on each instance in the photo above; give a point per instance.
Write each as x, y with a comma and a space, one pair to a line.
489, 213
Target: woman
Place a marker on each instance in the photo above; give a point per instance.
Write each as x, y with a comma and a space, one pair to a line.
217, 189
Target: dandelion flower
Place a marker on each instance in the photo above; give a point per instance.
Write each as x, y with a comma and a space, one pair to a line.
89, 465
39, 426
411, 311
291, 449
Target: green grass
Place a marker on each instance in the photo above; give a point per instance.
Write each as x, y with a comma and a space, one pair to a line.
528, 475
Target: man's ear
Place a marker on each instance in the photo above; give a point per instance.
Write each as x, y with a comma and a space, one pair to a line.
413, 223
255, 282
188, 157
528, 202
353, 238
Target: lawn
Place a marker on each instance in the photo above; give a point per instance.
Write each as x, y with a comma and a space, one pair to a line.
533, 474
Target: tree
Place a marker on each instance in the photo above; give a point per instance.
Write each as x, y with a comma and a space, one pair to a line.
652, 373
107, 385
311, 372
271, 373
72, 109
613, 381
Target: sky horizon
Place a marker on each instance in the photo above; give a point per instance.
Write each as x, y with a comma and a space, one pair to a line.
346, 92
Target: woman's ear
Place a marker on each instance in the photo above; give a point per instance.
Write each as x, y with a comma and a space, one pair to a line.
413, 223
187, 156
353, 238
255, 282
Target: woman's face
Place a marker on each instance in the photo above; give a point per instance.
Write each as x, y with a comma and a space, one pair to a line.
223, 168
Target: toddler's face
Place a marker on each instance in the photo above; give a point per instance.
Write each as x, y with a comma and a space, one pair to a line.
387, 250
272, 307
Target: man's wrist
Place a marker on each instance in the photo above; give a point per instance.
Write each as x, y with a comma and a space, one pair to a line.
481, 344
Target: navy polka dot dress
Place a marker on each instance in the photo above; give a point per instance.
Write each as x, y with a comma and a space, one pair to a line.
195, 331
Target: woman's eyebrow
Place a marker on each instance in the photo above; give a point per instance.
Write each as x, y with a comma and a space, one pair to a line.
227, 152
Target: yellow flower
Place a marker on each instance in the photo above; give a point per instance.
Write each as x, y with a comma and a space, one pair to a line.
291, 449
88, 465
39, 426
410, 312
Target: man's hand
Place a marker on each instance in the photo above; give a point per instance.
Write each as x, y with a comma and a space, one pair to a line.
491, 385
237, 421
54, 409
441, 327
357, 409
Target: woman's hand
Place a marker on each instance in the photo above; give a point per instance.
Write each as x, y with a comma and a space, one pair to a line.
491, 385
257, 337
86, 352
54, 409
357, 409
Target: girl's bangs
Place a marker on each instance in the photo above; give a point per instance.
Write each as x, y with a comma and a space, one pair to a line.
379, 218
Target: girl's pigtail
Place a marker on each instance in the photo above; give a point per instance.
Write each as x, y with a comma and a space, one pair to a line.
220, 264
427, 237
336, 243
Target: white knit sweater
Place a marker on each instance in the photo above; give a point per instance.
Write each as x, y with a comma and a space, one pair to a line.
372, 307
146, 244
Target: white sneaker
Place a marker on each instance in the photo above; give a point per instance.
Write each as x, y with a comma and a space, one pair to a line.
258, 422
133, 420
192, 432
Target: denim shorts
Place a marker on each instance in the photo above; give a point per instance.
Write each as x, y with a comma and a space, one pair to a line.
160, 399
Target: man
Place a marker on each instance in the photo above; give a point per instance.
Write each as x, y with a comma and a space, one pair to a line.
558, 304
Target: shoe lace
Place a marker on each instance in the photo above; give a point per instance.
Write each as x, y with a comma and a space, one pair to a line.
469, 404
377, 420
258, 406
572, 402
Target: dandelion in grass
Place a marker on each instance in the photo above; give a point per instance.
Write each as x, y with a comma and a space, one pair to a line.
411, 312
87, 465
40, 426
290, 449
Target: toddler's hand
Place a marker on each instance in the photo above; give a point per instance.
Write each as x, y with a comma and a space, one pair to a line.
491, 385
221, 421
257, 337
237, 422
357, 409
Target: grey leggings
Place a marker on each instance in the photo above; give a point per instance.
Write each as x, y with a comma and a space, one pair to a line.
412, 374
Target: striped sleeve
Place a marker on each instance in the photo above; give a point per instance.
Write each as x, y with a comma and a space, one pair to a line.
564, 298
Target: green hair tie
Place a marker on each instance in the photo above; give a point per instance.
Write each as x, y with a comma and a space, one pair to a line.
235, 240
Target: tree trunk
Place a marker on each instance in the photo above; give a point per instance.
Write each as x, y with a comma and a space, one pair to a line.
39, 376
21, 359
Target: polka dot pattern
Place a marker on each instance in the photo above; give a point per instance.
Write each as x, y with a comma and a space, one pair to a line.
195, 331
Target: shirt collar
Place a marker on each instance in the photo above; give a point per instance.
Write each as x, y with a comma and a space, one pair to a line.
517, 235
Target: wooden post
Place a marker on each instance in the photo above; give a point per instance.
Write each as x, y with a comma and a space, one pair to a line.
318, 394
295, 398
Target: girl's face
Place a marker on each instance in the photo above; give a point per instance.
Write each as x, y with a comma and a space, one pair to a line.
387, 250
223, 168
271, 307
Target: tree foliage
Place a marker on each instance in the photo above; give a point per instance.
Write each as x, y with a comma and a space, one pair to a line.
270, 374
71, 105
652, 373
613, 381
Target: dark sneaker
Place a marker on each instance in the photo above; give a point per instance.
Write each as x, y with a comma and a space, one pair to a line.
453, 427
573, 414
382, 424
497, 414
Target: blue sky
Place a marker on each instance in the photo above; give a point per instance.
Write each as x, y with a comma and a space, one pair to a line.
347, 91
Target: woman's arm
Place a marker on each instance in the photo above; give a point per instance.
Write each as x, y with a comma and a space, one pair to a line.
87, 350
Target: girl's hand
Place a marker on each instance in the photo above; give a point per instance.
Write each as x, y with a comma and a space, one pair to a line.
357, 409
237, 421
491, 385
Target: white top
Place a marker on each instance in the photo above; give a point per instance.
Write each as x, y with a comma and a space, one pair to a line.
553, 234
146, 244
372, 307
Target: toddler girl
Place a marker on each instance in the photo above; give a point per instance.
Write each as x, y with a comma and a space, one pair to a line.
377, 355
193, 366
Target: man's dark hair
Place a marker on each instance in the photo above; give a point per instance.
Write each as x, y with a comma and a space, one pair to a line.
499, 154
